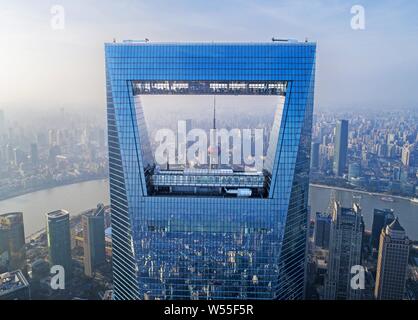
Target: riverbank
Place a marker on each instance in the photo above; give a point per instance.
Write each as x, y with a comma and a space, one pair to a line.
377, 194
87, 179
56, 184
75, 198
78, 197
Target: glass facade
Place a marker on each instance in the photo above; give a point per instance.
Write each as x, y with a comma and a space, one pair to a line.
341, 145
59, 240
209, 246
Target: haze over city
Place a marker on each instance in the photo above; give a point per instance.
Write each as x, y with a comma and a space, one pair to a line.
44, 69
224, 150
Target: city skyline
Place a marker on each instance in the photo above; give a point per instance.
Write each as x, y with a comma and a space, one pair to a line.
241, 150
68, 61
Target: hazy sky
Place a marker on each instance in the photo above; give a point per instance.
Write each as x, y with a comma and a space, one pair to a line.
45, 68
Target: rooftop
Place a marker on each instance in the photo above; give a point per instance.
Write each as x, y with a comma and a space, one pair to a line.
395, 230
273, 41
395, 225
12, 281
11, 214
11, 218
57, 214
96, 212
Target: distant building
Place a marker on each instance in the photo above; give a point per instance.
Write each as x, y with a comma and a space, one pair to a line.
34, 154
311, 229
107, 217
382, 150
354, 171
381, 218
53, 137
315, 155
344, 252
406, 155
19, 156
40, 269
396, 174
108, 295
392, 263
390, 138
108, 242
94, 239
14, 286
12, 241
341, 145
59, 240
322, 230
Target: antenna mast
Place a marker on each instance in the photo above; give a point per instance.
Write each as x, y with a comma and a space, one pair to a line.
212, 148
214, 112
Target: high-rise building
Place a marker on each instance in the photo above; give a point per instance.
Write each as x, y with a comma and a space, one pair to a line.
396, 176
315, 155
406, 155
12, 241
34, 154
354, 170
392, 263
19, 156
341, 145
381, 218
53, 137
42, 139
345, 248
209, 233
322, 230
59, 240
14, 286
94, 239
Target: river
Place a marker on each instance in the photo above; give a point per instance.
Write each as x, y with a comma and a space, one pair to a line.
81, 196
74, 198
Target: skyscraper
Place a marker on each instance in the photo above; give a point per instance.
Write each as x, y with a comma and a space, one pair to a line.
392, 263
406, 155
322, 230
340, 150
354, 171
344, 252
59, 240
94, 239
209, 234
381, 218
315, 155
12, 241
34, 154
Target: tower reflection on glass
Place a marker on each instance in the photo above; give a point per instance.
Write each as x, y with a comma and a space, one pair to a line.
209, 232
